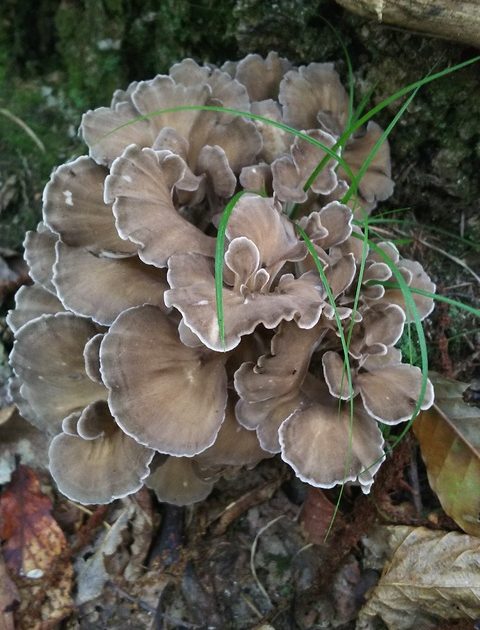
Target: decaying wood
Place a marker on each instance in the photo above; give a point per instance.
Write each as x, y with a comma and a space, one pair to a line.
456, 20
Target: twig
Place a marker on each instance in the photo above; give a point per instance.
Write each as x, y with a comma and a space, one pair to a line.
253, 551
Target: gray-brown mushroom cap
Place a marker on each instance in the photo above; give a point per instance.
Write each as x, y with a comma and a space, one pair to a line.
165, 395
312, 95
39, 253
234, 446
175, 481
390, 390
31, 302
84, 279
107, 466
193, 293
73, 207
48, 356
140, 186
326, 445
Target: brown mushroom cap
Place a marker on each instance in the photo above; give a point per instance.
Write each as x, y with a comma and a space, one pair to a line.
230, 93
175, 481
39, 254
83, 280
193, 293
102, 465
74, 208
31, 302
140, 186
108, 131
291, 173
234, 446
261, 76
312, 95
162, 393
48, 356
326, 444
376, 185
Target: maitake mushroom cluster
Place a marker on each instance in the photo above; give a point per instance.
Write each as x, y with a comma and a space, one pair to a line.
119, 353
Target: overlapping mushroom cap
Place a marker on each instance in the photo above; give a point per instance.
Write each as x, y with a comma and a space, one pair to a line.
120, 353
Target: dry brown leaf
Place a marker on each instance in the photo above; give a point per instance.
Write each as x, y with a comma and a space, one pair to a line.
33, 539
432, 575
35, 551
449, 437
316, 516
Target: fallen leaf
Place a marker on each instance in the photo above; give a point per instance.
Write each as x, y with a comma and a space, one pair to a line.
449, 438
35, 551
317, 515
33, 539
431, 576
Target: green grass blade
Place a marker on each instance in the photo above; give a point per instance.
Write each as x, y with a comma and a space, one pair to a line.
219, 254
373, 152
439, 298
237, 112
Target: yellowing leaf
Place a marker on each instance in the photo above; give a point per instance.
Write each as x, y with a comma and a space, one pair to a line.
432, 575
449, 437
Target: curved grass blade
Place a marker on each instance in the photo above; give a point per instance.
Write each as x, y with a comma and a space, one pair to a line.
23, 125
373, 152
237, 112
219, 254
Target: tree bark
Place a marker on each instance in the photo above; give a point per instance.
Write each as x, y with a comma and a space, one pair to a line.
456, 20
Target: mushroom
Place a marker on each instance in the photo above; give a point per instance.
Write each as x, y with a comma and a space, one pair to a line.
162, 393
94, 461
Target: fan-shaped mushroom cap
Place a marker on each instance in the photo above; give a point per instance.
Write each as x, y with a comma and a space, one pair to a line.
165, 395
174, 480
39, 254
261, 76
283, 369
416, 279
100, 465
74, 208
267, 416
291, 173
376, 185
108, 131
140, 186
270, 389
230, 93
313, 94
276, 141
193, 294
390, 390
381, 326
48, 357
84, 280
260, 219
31, 302
326, 446
234, 446
330, 226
